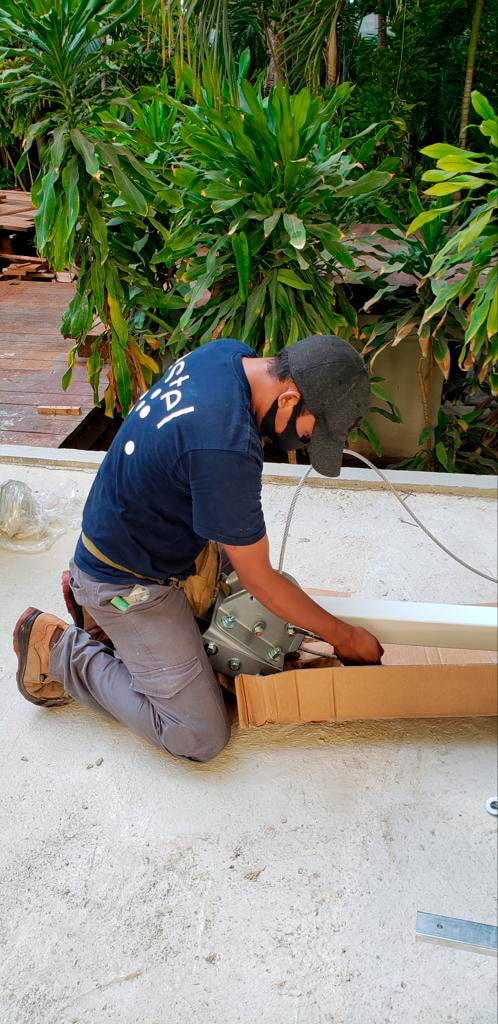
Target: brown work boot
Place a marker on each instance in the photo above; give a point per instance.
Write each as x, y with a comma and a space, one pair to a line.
80, 616
35, 634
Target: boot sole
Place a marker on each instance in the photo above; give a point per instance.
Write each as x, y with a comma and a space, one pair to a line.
21, 635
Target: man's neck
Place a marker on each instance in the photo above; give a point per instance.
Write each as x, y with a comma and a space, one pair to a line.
264, 388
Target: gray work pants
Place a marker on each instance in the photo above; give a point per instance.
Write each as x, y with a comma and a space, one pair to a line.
159, 681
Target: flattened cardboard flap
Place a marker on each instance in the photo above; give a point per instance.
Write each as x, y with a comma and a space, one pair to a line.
413, 682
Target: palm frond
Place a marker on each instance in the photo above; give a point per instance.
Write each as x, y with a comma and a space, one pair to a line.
307, 34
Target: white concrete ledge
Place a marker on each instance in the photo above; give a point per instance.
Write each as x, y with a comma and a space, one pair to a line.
54, 458
403, 480
278, 473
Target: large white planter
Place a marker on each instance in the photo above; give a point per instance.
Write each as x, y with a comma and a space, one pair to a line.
398, 366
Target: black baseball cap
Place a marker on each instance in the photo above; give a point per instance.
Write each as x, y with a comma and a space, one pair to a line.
334, 386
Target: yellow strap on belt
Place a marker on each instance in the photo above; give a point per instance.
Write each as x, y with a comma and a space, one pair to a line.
200, 591
90, 546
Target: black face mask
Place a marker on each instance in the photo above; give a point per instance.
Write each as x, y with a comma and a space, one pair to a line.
288, 440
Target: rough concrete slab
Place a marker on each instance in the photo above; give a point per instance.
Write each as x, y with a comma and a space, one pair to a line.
363, 541
359, 541
279, 883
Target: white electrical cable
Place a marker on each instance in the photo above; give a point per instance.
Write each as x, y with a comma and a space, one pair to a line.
402, 502
289, 516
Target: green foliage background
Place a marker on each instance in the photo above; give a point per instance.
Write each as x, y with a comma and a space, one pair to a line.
201, 166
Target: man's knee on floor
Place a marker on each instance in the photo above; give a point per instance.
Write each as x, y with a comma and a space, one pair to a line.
212, 744
200, 742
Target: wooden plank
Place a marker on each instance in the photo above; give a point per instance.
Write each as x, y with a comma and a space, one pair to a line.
16, 223
10, 340
5, 243
35, 363
38, 389
45, 350
27, 357
33, 358
50, 383
16, 257
39, 275
47, 303
15, 210
44, 343
34, 268
33, 331
50, 378
18, 199
19, 396
37, 377
20, 420
18, 206
57, 410
22, 202
20, 350
16, 196
30, 439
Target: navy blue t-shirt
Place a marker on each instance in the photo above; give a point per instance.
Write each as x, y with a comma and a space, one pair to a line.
184, 468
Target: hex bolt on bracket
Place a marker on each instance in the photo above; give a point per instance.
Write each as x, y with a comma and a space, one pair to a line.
244, 630
234, 664
274, 653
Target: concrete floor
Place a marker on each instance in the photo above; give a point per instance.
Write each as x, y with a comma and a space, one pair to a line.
279, 883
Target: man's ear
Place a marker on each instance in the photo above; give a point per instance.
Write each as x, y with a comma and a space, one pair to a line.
289, 398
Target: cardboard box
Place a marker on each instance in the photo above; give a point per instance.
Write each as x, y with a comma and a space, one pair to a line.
412, 682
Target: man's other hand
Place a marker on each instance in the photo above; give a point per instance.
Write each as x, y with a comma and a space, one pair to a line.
361, 648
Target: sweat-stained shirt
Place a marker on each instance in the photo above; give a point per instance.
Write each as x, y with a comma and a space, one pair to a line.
184, 468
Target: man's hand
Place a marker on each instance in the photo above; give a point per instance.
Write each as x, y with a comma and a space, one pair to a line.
285, 599
362, 648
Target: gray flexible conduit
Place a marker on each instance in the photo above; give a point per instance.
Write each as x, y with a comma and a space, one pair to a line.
402, 502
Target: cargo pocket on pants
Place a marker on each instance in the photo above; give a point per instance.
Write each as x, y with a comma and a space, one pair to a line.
168, 681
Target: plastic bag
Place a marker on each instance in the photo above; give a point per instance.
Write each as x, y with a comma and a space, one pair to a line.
31, 523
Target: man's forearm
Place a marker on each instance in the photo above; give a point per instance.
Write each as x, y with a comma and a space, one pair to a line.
285, 599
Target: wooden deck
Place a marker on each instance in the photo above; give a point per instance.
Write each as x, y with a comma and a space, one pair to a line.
33, 357
16, 214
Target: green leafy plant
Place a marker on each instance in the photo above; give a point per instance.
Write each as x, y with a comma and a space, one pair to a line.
463, 269
86, 175
464, 440
115, 246
258, 238
417, 71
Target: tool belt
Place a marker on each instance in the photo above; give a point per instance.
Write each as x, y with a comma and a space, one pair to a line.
200, 589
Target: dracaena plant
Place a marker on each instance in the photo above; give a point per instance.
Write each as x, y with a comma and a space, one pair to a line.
463, 268
120, 282
258, 239
60, 51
